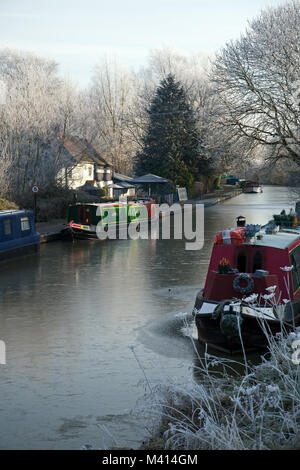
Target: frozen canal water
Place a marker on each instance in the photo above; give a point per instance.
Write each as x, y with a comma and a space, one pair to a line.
68, 315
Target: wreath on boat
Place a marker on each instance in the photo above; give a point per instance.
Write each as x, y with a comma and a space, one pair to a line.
237, 283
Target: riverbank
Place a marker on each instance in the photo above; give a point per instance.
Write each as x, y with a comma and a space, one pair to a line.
51, 231
216, 197
226, 410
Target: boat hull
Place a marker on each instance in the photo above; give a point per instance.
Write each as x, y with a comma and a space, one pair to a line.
19, 252
252, 336
71, 233
119, 232
84, 220
253, 189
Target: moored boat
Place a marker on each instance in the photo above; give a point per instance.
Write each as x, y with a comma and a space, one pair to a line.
252, 286
18, 235
252, 187
85, 219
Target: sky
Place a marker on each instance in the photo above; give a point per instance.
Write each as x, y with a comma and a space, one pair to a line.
78, 33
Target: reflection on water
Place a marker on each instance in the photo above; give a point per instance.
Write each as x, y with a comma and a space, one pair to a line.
68, 315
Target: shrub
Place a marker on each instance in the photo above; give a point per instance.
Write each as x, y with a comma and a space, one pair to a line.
53, 201
7, 205
213, 182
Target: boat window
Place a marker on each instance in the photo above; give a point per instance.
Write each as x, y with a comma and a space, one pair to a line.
241, 262
25, 224
257, 261
7, 226
295, 261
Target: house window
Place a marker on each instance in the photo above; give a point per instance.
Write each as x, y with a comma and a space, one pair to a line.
106, 175
25, 224
90, 170
100, 172
7, 227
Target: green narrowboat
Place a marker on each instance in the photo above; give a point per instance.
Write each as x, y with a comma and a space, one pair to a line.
84, 218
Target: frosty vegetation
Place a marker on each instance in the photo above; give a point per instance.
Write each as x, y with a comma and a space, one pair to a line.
244, 103
257, 82
231, 405
221, 409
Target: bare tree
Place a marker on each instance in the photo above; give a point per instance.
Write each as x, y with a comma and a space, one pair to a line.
257, 84
111, 100
37, 109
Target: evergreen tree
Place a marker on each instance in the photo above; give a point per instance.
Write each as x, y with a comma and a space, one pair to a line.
171, 146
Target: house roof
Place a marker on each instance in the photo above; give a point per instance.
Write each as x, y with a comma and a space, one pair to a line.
127, 185
120, 177
88, 187
149, 178
123, 181
81, 150
115, 186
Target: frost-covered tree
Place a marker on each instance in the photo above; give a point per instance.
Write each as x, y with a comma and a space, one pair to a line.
111, 100
257, 81
172, 143
37, 108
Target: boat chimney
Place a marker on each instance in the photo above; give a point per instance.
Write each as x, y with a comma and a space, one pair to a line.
241, 220
297, 209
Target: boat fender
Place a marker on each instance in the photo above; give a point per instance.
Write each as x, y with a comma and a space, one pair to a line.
245, 277
219, 309
230, 325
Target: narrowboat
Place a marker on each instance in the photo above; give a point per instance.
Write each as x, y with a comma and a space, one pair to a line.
18, 235
252, 187
84, 218
252, 285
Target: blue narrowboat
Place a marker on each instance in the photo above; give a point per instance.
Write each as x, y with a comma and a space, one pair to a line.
18, 235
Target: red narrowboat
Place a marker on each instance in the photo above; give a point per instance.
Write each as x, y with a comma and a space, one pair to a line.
252, 285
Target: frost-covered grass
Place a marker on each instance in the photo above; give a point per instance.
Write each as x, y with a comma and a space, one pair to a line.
224, 409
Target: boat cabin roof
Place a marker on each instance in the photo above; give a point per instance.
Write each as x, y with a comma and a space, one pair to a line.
5, 213
112, 203
282, 239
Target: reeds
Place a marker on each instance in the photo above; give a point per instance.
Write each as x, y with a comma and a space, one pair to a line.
220, 409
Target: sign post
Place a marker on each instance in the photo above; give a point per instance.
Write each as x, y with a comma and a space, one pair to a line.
182, 194
35, 190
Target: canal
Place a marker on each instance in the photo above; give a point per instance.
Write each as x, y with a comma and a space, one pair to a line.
68, 315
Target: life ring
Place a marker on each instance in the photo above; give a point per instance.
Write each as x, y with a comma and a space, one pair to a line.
230, 321
243, 277
230, 325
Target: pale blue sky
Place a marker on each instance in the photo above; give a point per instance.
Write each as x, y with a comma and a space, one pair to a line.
77, 33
